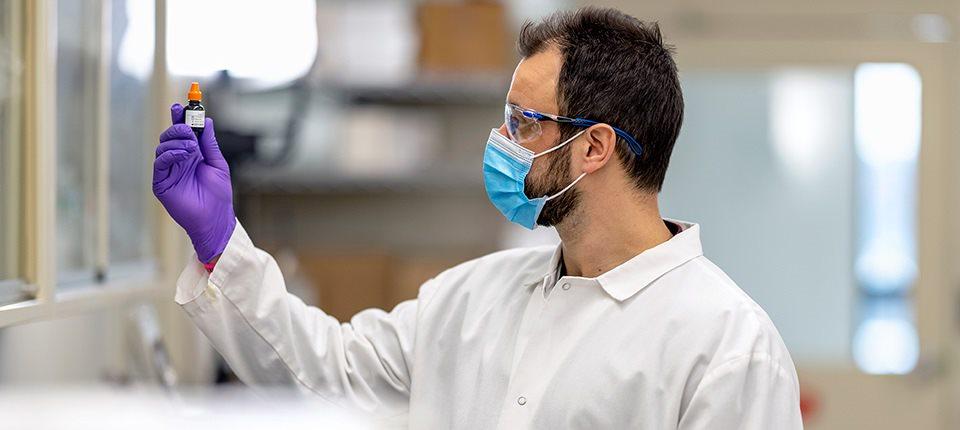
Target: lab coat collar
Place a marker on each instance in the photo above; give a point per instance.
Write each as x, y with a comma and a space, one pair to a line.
632, 276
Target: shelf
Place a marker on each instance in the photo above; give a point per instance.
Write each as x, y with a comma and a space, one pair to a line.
473, 91
293, 182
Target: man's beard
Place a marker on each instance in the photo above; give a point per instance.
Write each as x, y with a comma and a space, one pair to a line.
554, 179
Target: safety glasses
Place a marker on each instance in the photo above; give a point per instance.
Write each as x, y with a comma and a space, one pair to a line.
523, 125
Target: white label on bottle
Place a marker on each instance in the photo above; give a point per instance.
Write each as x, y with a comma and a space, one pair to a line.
194, 118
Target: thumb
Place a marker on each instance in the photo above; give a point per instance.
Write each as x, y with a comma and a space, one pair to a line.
210, 148
176, 113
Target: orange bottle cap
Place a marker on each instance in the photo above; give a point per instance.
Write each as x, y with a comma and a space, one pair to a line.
194, 93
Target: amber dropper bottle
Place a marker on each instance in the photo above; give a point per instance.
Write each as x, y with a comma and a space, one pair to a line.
194, 113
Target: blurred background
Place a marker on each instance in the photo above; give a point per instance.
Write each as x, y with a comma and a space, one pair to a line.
818, 153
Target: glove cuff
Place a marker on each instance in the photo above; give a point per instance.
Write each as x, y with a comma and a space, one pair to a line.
209, 250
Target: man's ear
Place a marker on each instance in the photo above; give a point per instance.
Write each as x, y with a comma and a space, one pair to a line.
599, 144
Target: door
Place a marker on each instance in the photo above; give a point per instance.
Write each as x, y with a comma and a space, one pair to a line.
820, 173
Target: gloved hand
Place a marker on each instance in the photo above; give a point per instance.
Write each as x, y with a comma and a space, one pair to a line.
192, 181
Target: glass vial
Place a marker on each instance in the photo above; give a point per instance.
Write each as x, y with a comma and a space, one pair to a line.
194, 113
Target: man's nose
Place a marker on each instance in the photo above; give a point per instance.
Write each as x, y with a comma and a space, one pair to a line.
503, 129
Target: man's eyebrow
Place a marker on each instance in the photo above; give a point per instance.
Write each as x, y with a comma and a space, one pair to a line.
513, 99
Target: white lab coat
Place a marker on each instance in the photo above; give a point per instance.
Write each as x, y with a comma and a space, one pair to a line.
664, 341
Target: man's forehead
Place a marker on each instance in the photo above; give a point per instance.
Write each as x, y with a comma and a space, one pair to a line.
534, 84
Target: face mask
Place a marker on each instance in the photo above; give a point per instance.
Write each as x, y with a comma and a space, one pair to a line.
505, 168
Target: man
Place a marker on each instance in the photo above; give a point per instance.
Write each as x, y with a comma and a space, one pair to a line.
624, 325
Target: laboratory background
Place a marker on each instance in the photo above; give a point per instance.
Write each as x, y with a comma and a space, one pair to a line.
819, 153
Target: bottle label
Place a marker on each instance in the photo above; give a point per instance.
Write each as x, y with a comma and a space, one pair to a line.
194, 118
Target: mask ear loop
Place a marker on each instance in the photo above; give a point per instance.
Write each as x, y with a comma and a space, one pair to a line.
560, 145
556, 148
568, 186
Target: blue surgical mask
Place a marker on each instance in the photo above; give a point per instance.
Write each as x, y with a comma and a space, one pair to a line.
505, 168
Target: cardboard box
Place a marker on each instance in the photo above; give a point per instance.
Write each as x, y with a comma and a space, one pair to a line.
410, 273
347, 283
468, 36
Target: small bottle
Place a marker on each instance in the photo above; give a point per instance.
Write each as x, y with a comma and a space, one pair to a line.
194, 113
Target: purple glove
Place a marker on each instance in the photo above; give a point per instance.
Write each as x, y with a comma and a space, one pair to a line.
192, 181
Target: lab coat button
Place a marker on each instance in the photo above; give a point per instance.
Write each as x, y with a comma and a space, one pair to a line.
521, 400
210, 291
565, 286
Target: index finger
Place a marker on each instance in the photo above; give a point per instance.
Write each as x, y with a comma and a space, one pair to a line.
176, 113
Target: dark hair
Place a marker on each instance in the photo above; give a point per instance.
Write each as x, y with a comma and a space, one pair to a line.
616, 70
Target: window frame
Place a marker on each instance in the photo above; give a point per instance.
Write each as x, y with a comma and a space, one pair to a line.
43, 297
14, 288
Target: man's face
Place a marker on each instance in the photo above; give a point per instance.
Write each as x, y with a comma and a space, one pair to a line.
534, 86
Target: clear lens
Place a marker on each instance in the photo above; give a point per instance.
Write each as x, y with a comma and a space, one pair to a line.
520, 127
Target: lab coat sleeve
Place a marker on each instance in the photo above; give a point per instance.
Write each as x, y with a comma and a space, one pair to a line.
271, 338
746, 393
